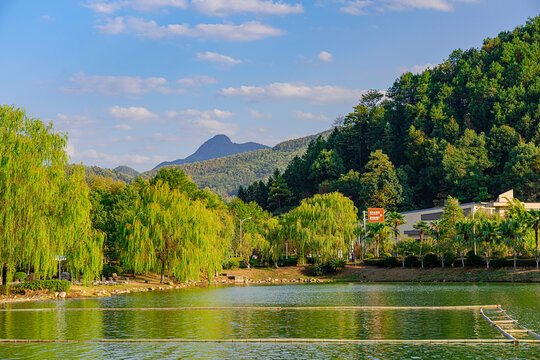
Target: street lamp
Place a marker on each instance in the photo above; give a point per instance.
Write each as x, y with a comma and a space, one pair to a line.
241, 221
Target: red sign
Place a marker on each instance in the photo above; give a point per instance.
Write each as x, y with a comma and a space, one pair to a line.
375, 215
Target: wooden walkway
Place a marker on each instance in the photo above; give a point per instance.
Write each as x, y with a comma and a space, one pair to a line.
262, 308
508, 326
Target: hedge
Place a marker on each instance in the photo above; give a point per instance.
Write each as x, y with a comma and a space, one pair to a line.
51, 285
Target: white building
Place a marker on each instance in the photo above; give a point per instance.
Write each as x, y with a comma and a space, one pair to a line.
428, 215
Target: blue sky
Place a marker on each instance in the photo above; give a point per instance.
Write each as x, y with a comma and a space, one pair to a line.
137, 82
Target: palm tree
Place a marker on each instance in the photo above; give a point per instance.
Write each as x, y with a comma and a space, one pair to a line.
394, 220
422, 228
377, 232
511, 233
487, 233
533, 219
435, 229
464, 236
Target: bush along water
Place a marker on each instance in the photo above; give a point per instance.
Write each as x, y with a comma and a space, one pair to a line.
329, 267
51, 285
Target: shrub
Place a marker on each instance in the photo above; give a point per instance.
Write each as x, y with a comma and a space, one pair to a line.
329, 267
412, 261
431, 260
51, 285
291, 261
231, 264
369, 256
254, 262
474, 260
108, 271
391, 261
20, 275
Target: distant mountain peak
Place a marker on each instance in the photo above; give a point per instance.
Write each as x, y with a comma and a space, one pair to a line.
215, 147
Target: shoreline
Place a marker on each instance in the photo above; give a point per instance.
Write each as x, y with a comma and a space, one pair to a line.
291, 275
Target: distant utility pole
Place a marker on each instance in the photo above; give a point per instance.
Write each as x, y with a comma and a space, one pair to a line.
241, 221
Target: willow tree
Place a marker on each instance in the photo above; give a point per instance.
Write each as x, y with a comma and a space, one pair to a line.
173, 234
322, 226
44, 205
253, 229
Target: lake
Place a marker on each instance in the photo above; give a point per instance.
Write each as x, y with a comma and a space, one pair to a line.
522, 301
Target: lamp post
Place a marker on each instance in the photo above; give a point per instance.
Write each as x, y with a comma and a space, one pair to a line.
241, 243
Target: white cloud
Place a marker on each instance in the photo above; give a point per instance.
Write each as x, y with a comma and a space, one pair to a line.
119, 159
47, 18
356, 7
248, 31
113, 26
258, 115
325, 56
209, 121
326, 94
196, 80
208, 114
73, 120
132, 113
110, 7
225, 7
362, 7
309, 116
125, 127
219, 58
417, 69
114, 85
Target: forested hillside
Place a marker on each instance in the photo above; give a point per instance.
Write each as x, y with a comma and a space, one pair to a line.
224, 175
114, 174
469, 127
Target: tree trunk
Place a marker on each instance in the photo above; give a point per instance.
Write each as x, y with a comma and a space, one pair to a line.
514, 260
442, 262
536, 240
162, 271
421, 257
4, 274
463, 259
377, 249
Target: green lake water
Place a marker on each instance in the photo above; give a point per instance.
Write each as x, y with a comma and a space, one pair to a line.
522, 301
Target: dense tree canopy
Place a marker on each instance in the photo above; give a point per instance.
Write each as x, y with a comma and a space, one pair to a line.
471, 123
44, 206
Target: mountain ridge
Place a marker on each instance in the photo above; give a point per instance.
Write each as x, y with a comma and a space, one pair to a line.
213, 148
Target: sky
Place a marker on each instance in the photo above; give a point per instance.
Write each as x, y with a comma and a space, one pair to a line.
137, 82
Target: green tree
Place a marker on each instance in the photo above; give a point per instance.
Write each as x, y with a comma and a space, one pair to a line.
173, 234
323, 226
279, 194
257, 231
511, 233
44, 205
452, 214
377, 233
522, 171
464, 237
487, 234
394, 220
381, 187
423, 229
327, 166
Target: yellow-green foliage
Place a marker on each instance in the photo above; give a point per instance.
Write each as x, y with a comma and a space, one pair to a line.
44, 209
322, 225
174, 234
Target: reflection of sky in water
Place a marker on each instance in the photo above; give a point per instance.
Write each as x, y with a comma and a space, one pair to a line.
521, 300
